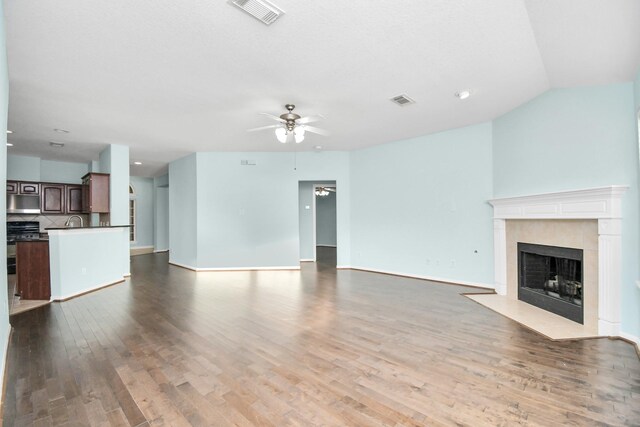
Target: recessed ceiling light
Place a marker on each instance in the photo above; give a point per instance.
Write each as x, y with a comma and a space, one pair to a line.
318, 147
9, 144
61, 130
137, 163
463, 94
56, 144
9, 131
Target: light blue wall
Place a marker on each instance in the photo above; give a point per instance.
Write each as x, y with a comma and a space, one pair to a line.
305, 220
27, 168
183, 204
161, 213
64, 172
326, 220
23, 168
420, 206
143, 188
569, 139
4, 101
247, 216
114, 160
75, 266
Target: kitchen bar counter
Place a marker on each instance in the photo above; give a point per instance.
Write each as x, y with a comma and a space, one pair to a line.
87, 258
87, 227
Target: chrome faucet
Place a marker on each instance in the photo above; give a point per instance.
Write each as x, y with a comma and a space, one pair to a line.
68, 223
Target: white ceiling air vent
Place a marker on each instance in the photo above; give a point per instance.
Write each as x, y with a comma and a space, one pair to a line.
259, 9
402, 100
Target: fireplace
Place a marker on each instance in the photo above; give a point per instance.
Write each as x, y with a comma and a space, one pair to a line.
551, 277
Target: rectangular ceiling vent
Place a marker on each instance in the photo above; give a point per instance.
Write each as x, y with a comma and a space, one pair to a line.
262, 10
402, 100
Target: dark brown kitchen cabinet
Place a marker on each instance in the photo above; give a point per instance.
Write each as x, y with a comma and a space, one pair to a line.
73, 199
52, 200
23, 187
32, 270
95, 193
29, 188
12, 187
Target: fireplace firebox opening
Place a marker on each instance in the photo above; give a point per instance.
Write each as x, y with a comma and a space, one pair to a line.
551, 278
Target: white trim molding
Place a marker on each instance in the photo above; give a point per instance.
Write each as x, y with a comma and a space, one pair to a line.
269, 268
421, 277
603, 204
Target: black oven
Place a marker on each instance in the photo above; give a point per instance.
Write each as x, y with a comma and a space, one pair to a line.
19, 230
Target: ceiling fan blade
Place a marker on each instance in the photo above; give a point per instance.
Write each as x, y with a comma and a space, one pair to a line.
271, 116
319, 131
264, 127
309, 119
332, 189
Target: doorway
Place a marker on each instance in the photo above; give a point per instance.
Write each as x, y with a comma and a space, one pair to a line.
318, 221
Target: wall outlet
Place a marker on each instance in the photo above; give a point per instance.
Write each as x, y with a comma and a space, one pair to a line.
307, 207
84, 270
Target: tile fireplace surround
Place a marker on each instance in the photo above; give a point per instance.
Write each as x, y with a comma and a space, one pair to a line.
602, 204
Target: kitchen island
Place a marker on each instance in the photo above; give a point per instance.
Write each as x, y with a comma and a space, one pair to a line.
83, 259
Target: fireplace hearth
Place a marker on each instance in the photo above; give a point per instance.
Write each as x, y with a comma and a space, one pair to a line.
551, 278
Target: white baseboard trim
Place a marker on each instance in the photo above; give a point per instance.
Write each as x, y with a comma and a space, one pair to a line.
85, 291
198, 269
140, 250
307, 260
343, 267
157, 251
633, 338
327, 246
431, 278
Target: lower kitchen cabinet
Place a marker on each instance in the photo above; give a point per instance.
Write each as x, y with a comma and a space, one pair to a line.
32, 270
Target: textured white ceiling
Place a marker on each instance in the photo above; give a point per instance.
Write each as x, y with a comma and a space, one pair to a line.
170, 77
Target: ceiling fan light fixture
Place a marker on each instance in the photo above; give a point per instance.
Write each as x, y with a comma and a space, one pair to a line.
281, 134
463, 94
298, 133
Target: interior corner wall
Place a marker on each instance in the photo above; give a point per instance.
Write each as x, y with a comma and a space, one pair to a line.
144, 223
569, 139
183, 206
419, 206
5, 327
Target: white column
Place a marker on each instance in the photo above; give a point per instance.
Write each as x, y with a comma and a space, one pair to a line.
500, 255
609, 276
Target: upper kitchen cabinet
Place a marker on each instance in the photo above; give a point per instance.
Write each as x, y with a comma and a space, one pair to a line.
73, 196
17, 187
95, 193
52, 198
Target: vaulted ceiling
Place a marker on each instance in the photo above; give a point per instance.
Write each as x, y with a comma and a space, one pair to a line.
170, 77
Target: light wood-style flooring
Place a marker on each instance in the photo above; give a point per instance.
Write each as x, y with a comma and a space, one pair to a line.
172, 347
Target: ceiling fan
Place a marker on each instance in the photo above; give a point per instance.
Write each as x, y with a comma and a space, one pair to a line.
291, 126
324, 191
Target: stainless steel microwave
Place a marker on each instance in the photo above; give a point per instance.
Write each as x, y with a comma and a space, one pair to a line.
23, 204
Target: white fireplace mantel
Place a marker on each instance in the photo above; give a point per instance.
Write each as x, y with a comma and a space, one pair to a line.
603, 204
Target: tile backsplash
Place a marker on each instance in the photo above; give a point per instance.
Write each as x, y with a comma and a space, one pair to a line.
47, 221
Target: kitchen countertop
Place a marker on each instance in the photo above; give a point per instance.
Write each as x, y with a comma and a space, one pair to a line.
87, 228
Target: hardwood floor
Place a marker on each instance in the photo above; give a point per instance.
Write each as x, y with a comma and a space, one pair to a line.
318, 347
